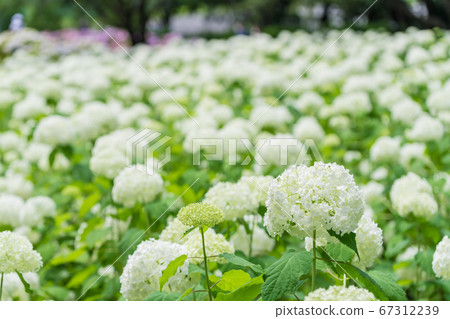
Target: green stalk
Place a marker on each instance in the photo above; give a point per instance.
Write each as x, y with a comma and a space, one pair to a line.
252, 230
1, 287
313, 280
206, 264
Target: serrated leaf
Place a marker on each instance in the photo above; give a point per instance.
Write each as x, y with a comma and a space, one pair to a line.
233, 279
171, 270
389, 285
362, 279
348, 240
235, 260
163, 296
246, 292
340, 252
26, 285
283, 275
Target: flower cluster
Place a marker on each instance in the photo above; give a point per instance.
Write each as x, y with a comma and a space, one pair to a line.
323, 196
412, 194
441, 259
144, 268
200, 215
340, 293
133, 186
17, 254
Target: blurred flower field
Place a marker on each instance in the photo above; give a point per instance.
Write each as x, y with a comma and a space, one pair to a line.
333, 181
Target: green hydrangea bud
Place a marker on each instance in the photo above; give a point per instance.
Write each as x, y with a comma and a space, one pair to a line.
201, 214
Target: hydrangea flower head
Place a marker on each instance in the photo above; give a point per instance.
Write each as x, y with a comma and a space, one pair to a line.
323, 196
340, 293
17, 254
201, 214
441, 259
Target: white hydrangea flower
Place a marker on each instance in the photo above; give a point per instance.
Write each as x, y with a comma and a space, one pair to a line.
372, 191
116, 140
11, 141
35, 209
353, 103
18, 185
94, 120
410, 152
406, 111
17, 254
441, 259
369, 241
385, 148
259, 187
108, 162
261, 242
144, 268
308, 128
412, 194
235, 200
216, 244
54, 130
10, 208
279, 150
133, 185
306, 198
174, 232
425, 129
340, 293
309, 102
13, 288
32, 106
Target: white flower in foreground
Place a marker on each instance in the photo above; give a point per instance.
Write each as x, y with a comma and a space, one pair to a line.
323, 196
425, 129
216, 244
36, 209
385, 148
369, 241
235, 200
17, 254
144, 269
441, 259
412, 194
10, 208
340, 293
54, 130
133, 185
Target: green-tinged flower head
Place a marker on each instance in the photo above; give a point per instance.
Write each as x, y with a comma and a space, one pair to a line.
201, 214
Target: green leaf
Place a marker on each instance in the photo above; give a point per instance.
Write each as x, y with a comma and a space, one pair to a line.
88, 203
235, 260
187, 292
340, 252
187, 232
163, 296
25, 284
171, 270
52, 156
389, 285
348, 240
81, 277
362, 279
247, 292
424, 260
233, 279
96, 235
74, 256
283, 275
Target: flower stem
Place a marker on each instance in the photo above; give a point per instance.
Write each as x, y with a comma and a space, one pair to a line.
1, 287
206, 265
252, 230
313, 280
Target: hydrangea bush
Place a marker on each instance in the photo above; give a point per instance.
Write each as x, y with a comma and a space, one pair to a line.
330, 186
